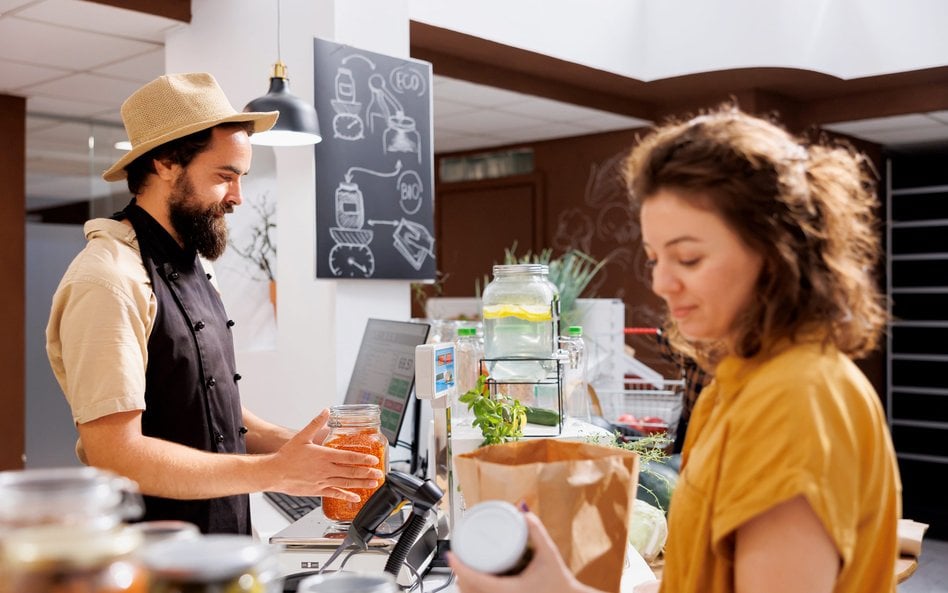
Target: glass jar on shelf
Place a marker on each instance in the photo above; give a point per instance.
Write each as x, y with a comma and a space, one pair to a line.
355, 427
520, 309
63, 530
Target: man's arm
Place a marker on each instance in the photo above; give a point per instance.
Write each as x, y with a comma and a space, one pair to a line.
266, 437
162, 468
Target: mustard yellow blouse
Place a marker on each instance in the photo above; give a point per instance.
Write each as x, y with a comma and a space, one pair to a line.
802, 420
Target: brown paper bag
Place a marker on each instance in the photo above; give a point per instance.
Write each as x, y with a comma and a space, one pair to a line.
583, 493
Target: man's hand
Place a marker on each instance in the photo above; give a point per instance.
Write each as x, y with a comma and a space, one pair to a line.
305, 467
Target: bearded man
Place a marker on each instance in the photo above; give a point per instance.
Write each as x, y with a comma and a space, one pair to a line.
139, 340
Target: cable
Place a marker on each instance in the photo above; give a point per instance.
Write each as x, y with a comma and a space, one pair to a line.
416, 526
419, 582
445, 584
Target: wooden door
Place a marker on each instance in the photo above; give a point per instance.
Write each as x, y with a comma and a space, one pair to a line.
476, 221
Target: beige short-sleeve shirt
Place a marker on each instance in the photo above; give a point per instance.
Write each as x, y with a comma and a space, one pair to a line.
102, 314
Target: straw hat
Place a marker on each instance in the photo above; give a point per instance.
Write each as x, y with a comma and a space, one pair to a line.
173, 106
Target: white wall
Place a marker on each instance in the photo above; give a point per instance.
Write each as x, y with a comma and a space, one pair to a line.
50, 432
653, 39
320, 321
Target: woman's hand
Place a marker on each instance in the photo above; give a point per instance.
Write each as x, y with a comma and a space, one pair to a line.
546, 571
303, 466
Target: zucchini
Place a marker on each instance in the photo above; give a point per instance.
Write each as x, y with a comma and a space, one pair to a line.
542, 416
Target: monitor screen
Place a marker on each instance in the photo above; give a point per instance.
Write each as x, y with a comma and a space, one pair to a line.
384, 371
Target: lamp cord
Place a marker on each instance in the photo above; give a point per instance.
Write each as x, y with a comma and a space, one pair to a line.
279, 41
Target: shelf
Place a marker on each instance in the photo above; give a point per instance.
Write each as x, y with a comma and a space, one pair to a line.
919, 457
920, 424
907, 224
914, 191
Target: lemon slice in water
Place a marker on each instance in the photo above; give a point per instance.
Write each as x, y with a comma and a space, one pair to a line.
534, 313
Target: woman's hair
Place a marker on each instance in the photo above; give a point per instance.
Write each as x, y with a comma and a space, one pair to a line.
180, 151
809, 210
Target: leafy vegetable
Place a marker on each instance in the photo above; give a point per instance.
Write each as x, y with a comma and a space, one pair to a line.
501, 418
648, 530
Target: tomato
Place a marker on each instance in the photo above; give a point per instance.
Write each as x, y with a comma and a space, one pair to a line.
652, 425
628, 419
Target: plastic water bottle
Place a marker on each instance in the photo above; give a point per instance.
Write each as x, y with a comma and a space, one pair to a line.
468, 352
575, 391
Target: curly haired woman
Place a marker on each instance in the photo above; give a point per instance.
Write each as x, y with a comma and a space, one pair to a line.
763, 249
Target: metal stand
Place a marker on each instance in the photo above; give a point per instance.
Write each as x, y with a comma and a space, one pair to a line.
539, 391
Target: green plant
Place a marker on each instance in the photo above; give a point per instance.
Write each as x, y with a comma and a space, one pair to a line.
501, 418
654, 486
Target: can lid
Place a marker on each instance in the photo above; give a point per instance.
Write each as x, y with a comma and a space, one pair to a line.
491, 537
205, 559
348, 582
575, 330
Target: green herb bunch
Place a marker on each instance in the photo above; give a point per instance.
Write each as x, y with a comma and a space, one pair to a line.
500, 417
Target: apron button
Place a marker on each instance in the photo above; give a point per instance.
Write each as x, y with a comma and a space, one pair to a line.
199, 326
237, 377
211, 382
219, 437
231, 323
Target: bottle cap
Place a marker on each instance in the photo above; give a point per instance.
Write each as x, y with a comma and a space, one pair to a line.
467, 331
575, 330
491, 537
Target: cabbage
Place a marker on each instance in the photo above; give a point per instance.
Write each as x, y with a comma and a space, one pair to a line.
648, 530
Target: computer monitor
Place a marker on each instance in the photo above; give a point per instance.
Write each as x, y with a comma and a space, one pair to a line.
384, 372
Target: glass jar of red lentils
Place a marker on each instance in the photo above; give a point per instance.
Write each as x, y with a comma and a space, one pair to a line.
355, 427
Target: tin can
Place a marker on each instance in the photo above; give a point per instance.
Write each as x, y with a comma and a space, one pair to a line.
348, 582
493, 537
220, 563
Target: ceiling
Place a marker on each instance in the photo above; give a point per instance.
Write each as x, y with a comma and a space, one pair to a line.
64, 57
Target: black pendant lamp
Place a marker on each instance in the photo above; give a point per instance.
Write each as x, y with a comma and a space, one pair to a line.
298, 124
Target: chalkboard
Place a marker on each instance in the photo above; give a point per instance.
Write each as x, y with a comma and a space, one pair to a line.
374, 176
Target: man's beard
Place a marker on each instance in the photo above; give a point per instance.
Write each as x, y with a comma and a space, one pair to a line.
201, 230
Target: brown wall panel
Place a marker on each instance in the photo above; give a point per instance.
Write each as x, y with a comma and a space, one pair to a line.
13, 272
179, 10
585, 207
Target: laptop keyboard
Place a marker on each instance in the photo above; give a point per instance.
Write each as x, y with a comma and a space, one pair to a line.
292, 507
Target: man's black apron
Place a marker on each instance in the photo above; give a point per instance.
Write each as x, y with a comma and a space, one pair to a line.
191, 394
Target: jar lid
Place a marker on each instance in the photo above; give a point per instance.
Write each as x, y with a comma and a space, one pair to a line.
206, 559
491, 537
78, 495
348, 582
505, 269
